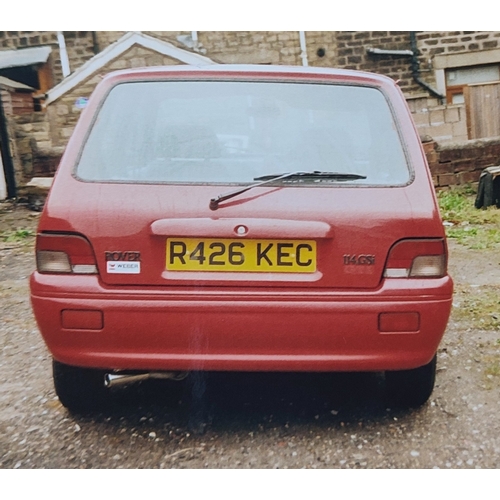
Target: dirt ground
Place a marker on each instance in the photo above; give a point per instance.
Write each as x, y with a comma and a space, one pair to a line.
259, 420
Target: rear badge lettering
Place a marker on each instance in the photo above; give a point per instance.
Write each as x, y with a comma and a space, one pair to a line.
359, 260
123, 256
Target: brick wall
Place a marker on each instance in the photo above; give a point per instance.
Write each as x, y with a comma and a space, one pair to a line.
454, 164
344, 49
16, 103
262, 47
352, 54
79, 45
23, 39
6, 102
431, 43
435, 43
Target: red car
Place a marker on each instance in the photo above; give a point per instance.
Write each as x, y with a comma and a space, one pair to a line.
241, 218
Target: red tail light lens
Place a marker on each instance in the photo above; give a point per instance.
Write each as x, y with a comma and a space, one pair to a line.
64, 253
419, 258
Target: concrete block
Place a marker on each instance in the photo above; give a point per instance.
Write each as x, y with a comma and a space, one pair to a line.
451, 115
442, 132
460, 131
432, 102
417, 104
421, 119
436, 116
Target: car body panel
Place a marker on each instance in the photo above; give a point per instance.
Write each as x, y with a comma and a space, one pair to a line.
233, 330
163, 319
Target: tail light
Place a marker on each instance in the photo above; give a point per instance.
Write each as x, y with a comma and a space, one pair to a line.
64, 253
419, 258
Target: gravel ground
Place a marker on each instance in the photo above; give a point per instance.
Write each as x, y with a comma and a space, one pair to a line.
250, 420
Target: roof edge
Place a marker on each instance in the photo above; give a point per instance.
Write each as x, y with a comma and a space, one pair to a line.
115, 50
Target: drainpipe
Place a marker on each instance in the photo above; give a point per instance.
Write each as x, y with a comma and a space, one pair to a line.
194, 37
3, 185
6, 156
95, 43
415, 69
303, 48
64, 54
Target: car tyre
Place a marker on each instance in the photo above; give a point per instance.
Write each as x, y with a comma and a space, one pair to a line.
411, 388
80, 390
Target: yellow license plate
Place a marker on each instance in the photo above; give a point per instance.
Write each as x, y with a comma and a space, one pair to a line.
237, 255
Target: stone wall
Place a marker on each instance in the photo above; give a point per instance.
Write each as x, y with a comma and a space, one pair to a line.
431, 43
344, 49
461, 163
63, 115
352, 54
29, 133
341, 49
261, 47
441, 43
79, 45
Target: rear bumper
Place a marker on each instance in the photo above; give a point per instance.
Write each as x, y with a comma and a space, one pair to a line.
86, 324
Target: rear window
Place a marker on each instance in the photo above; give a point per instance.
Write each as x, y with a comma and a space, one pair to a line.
232, 132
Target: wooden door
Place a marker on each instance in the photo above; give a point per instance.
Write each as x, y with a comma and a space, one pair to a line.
482, 104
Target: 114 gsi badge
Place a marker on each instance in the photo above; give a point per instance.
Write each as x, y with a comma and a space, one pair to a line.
359, 260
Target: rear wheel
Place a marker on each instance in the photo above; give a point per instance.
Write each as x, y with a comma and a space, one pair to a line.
80, 390
411, 387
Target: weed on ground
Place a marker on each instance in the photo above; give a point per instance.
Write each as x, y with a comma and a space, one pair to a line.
19, 234
476, 307
474, 228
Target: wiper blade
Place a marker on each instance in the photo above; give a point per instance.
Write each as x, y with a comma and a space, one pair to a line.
338, 176
214, 202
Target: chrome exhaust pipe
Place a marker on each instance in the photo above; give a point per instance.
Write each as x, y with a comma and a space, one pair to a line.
114, 380
117, 379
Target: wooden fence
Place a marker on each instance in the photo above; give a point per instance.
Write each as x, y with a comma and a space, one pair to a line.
482, 104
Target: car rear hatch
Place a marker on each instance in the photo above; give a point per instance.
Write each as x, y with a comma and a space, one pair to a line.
160, 151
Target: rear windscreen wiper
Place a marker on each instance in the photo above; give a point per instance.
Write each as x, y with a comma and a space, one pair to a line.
337, 176
264, 179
